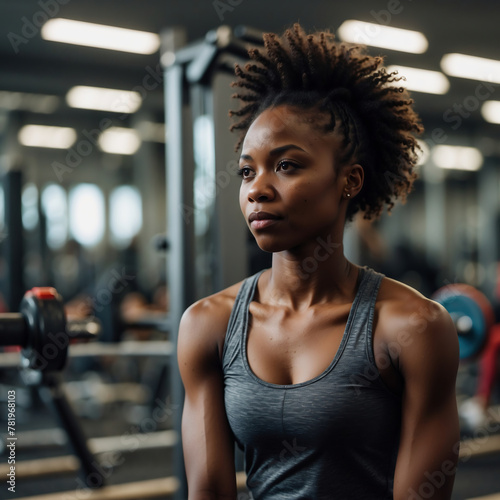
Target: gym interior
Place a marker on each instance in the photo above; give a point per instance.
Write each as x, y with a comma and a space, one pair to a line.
119, 208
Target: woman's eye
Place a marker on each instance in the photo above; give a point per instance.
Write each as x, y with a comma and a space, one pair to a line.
286, 166
244, 172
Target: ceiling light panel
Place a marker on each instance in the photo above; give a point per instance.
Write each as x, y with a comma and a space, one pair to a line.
119, 140
421, 80
491, 111
386, 37
472, 67
116, 101
100, 36
43, 136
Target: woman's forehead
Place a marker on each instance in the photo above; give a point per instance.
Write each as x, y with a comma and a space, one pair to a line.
290, 124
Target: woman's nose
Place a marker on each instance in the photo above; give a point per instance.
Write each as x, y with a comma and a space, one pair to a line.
261, 189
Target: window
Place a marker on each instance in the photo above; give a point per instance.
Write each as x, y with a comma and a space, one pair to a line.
86, 214
55, 208
29, 206
125, 211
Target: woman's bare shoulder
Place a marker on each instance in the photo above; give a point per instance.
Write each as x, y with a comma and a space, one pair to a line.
397, 295
403, 310
204, 323
216, 305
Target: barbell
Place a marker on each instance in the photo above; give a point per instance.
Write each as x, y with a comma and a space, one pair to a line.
42, 331
472, 315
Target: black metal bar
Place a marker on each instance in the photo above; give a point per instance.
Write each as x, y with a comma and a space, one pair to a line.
13, 244
13, 329
52, 393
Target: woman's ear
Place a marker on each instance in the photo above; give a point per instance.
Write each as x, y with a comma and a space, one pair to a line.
354, 176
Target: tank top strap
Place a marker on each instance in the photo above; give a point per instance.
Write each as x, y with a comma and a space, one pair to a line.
238, 317
364, 305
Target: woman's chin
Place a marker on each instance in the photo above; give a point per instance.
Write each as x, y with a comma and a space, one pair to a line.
269, 249
273, 245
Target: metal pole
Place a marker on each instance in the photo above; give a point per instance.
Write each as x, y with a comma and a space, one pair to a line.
193, 65
180, 267
435, 216
488, 239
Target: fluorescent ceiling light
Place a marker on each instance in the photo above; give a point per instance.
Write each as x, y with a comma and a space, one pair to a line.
116, 101
475, 68
421, 80
37, 103
457, 157
387, 37
491, 111
43, 136
119, 140
100, 36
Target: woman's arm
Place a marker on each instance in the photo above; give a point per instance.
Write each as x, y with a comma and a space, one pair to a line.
207, 439
430, 434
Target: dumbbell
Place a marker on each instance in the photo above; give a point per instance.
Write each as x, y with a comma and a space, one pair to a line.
472, 315
42, 331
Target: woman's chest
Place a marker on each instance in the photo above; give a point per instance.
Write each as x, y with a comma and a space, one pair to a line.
285, 348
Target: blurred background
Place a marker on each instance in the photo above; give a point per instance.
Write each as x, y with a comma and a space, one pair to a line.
118, 189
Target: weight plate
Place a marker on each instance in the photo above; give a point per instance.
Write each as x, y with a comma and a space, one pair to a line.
464, 301
47, 345
482, 301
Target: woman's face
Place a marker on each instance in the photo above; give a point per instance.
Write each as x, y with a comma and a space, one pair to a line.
290, 170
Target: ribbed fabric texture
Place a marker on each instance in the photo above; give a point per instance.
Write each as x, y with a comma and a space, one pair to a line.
333, 437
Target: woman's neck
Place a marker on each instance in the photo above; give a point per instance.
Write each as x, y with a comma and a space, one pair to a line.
320, 274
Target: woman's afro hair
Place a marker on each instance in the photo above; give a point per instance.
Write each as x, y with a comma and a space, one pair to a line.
375, 115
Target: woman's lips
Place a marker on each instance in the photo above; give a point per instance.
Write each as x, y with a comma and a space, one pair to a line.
260, 220
262, 223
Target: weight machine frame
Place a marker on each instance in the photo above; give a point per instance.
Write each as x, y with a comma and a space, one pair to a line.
196, 79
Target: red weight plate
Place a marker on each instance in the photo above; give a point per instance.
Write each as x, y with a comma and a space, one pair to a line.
44, 292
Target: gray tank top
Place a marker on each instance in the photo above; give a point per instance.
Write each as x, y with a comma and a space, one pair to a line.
333, 437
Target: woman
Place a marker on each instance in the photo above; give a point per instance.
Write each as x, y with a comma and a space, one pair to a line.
334, 380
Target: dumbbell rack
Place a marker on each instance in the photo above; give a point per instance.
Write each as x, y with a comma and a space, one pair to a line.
44, 335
